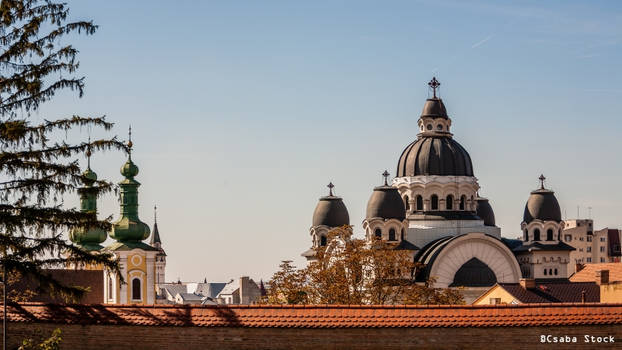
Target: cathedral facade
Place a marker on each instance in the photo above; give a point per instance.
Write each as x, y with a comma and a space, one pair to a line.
432, 209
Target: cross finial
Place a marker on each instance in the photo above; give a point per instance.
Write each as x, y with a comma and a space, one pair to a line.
88, 154
129, 143
542, 178
386, 177
330, 188
434, 84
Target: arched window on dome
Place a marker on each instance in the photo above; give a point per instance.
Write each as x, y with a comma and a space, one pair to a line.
322, 241
419, 201
378, 233
550, 272
449, 202
392, 234
549, 234
136, 294
525, 236
406, 204
434, 202
555, 272
545, 272
536, 234
462, 202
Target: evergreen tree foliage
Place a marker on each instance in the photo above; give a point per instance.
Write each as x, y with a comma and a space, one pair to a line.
37, 167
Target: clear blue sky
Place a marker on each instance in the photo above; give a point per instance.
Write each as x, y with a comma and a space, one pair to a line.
243, 111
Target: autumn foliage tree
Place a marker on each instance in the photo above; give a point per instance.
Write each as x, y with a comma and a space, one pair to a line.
38, 167
355, 271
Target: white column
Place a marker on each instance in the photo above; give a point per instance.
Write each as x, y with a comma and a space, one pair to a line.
122, 298
150, 278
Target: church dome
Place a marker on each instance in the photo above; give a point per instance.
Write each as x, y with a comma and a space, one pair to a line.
385, 202
434, 155
434, 108
485, 212
331, 211
542, 205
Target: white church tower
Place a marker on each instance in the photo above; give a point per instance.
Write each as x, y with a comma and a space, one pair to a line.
160, 260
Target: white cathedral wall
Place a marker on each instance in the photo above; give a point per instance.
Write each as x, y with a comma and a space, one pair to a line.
422, 232
475, 245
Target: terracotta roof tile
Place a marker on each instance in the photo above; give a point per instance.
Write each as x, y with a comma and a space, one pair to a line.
588, 273
323, 316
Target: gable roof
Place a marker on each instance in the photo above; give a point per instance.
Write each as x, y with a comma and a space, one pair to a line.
174, 288
321, 316
588, 273
189, 296
230, 287
209, 289
554, 292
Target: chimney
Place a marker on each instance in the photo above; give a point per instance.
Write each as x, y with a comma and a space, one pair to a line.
578, 267
602, 277
583, 293
528, 283
244, 282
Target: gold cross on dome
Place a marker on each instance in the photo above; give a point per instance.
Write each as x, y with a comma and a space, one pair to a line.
434, 84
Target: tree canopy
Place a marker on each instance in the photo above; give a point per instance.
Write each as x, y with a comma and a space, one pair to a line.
37, 167
355, 271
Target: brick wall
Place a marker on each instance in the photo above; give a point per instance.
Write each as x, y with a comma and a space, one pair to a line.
153, 337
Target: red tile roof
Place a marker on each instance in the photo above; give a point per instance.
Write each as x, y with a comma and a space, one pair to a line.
322, 316
588, 273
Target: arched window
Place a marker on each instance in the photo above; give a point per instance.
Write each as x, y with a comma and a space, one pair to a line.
402, 235
378, 233
449, 202
434, 202
549, 234
550, 272
545, 272
536, 234
406, 204
525, 236
555, 272
392, 234
462, 202
136, 289
419, 201
322, 241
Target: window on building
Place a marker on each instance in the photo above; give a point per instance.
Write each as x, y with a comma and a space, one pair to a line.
602, 259
603, 239
136, 289
555, 272
602, 249
322, 241
406, 204
567, 238
419, 201
495, 301
536, 234
588, 260
449, 202
589, 238
392, 234
378, 233
439, 127
402, 235
549, 234
581, 238
434, 202
588, 249
525, 236
110, 288
545, 272
462, 202
429, 127
550, 272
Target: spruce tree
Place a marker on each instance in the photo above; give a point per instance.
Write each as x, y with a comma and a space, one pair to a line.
37, 167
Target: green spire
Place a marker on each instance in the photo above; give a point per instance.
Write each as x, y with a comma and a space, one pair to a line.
90, 238
129, 228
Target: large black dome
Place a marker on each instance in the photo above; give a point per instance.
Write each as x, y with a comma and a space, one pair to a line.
542, 205
331, 211
434, 155
385, 202
485, 212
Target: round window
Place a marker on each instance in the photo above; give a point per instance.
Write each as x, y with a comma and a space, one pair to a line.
429, 126
439, 127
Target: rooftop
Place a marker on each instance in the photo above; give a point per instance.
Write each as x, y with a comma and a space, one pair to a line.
588, 273
321, 316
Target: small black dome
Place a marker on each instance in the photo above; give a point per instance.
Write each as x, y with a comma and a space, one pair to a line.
434, 155
331, 211
485, 212
385, 202
434, 108
542, 205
